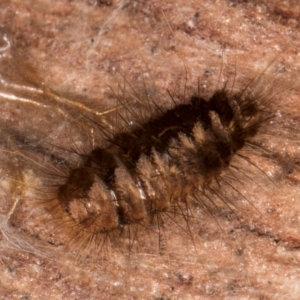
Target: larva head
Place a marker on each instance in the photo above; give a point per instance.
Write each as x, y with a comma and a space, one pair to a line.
225, 122
242, 117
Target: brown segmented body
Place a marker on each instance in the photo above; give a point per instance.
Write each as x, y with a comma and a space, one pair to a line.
164, 166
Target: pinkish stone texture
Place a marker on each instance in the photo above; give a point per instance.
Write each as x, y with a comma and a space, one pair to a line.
83, 50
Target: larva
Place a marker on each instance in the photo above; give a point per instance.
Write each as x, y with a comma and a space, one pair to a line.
163, 166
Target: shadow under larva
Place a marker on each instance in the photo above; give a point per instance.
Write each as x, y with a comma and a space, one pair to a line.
126, 176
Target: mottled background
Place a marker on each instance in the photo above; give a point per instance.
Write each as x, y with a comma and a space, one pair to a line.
87, 51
